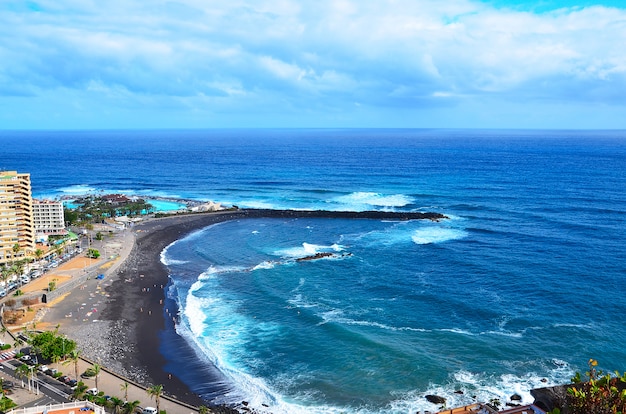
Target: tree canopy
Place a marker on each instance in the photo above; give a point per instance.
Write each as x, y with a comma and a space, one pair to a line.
52, 346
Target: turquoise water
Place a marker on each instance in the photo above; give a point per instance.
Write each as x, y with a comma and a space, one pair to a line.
163, 205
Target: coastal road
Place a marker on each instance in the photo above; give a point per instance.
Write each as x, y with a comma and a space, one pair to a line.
42, 390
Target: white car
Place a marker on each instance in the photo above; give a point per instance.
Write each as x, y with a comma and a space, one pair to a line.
149, 410
92, 391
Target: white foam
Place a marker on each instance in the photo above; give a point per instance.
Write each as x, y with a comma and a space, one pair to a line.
164, 254
265, 265
167, 261
505, 333
298, 301
457, 331
219, 331
262, 398
477, 387
362, 201
436, 234
414, 231
197, 233
337, 316
257, 205
79, 189
307, 249
214, 271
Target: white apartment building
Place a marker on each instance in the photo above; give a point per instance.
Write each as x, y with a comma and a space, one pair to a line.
48, 216
17, 227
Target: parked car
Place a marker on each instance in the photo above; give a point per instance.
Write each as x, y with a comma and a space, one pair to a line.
64, 379
52, 372
72, 383
92, 391
149, 410
3, 292
27, 359
42, 368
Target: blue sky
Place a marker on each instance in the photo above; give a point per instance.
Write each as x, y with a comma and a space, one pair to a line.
85, 64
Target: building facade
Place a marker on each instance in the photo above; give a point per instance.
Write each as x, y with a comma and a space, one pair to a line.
48, 217
17, 226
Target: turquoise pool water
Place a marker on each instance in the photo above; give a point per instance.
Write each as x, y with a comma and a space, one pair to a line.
162, 205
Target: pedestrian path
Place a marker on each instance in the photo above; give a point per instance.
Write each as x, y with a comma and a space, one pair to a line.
7, 355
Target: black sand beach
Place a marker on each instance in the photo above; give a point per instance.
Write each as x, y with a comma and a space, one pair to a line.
137, 295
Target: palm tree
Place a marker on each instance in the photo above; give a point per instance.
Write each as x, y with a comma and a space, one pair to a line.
79, 391
116, 403
96, 371
156, 391
131, 406
23, 371
73, 357
19, 268
5, 272
124, 387
16, 249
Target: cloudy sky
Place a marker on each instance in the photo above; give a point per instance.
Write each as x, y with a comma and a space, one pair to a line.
88, 64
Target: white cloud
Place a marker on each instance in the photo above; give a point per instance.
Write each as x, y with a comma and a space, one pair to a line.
310, 54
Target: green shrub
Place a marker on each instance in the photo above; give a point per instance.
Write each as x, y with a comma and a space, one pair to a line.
89, 372
6, 404
597, 392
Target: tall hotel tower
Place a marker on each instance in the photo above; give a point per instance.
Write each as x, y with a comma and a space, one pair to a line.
17, 225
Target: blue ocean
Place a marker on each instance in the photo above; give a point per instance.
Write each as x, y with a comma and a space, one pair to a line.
517, 289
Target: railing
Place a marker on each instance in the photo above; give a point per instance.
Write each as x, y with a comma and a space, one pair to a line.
50, 409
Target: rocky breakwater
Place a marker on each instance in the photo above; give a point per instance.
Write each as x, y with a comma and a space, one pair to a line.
373, 215
321, 255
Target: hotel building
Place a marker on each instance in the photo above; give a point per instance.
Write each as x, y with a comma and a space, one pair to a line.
17, 226
48, 216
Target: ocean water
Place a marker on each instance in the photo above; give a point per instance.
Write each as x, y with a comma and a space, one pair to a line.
517, 289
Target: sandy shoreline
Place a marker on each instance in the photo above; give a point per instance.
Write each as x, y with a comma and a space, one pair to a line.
130, 323
137, 300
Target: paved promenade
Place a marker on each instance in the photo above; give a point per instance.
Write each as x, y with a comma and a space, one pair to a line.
79, 273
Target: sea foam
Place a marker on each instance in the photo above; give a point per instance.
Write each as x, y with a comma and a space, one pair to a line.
363, 201
306, 249
434, 234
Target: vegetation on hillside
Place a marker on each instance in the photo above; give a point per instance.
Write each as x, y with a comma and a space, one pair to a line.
596, 392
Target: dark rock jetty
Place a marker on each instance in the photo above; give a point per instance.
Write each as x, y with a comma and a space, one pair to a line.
374, 215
